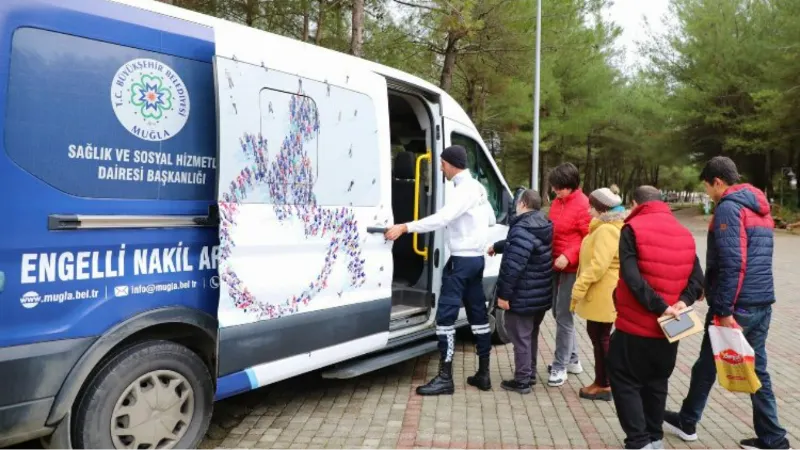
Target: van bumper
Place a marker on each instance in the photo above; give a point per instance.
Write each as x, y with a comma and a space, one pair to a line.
33, 375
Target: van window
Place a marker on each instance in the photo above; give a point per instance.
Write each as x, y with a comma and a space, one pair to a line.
480, 167
275, 108
100, 120
338, 160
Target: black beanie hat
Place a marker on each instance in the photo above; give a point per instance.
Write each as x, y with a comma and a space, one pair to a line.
456, 155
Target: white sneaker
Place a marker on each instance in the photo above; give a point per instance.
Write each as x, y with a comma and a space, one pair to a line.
557, 378
575, 369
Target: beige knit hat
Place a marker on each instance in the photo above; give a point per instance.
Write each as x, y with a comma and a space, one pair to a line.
606, 197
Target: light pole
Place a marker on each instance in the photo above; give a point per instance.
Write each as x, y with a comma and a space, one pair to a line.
536, 76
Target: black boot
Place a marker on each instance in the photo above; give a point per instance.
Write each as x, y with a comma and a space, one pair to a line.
441, 384
481, 379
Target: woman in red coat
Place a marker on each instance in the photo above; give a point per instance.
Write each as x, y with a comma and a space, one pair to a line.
569, 213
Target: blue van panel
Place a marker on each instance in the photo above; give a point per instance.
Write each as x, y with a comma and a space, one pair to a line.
71, 284
46, 83
235, 383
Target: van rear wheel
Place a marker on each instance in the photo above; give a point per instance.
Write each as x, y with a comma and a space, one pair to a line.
157, 394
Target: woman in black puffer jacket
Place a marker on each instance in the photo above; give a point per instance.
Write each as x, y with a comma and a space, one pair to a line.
525, 286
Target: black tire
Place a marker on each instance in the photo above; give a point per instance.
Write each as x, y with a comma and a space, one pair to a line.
95, 407
497, 321
499, 333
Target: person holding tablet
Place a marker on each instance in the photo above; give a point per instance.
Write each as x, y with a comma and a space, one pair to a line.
660, 274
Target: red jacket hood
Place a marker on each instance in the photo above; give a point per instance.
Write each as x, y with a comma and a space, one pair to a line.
748, 196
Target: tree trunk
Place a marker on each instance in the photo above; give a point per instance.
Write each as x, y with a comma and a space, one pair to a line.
251, 12
587, 183
482, 96
338, 30
631, 179
471, 100
656, 172
768, 190
320, 22
450, 53
306, 20
357, 38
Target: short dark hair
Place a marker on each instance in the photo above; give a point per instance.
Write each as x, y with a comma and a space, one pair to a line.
644, 194
531, 199
720, 167
565, 176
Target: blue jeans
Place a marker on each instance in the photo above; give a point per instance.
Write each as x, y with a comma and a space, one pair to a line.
755, 325
462, 282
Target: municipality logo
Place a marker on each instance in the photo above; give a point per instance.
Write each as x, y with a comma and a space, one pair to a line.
30, 299
150, 99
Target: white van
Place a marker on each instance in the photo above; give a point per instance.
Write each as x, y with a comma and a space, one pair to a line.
198, 212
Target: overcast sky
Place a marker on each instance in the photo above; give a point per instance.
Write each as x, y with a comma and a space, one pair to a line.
629, 14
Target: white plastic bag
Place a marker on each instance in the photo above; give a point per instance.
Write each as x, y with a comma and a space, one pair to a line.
734, 358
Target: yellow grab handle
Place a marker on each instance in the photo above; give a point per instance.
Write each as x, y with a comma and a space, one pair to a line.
417, 181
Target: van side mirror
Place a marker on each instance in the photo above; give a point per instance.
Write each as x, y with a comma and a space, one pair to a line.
510, 205
517, 195
505, 200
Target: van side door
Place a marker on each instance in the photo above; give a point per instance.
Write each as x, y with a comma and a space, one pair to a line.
303, 172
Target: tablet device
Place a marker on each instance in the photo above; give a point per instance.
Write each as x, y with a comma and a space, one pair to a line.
674, 328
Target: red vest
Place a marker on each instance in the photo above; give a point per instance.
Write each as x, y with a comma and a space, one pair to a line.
666, 251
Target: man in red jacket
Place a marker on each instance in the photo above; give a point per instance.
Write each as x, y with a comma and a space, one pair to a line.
569, 213
660, 274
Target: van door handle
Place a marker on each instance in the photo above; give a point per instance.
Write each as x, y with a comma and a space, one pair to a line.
2, 280
376, 230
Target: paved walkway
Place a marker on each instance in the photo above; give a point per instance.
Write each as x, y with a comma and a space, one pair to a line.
380, 410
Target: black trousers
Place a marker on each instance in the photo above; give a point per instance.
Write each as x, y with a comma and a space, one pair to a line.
639, 369
462, 282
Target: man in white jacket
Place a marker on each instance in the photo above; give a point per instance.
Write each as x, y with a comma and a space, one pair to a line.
467, 216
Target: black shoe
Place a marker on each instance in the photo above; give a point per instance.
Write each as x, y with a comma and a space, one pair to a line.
757, 444
441, 384
532, 382
516, 386
672, 424
481, 378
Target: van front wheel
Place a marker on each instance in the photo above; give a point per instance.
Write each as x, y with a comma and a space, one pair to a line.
157, 394
499, 333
